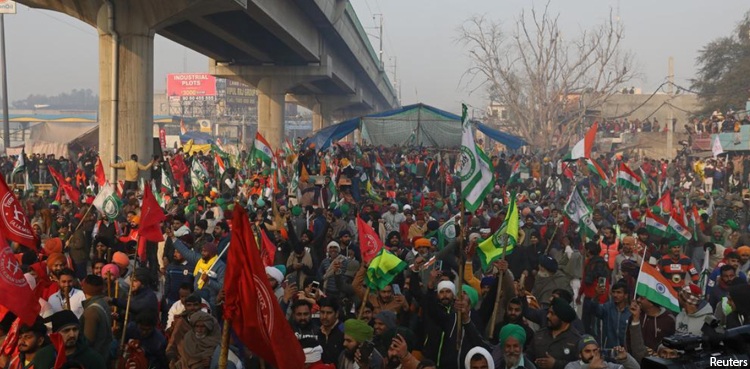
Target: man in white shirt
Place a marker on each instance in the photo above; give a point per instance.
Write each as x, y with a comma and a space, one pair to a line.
57, 301
180, 305
393, 218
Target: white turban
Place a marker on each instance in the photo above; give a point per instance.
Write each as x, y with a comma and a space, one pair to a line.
446, 284
313, 354
275, 274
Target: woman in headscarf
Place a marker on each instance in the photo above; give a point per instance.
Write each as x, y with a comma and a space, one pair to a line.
199, 343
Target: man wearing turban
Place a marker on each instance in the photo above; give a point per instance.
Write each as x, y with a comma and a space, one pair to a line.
358, 347
555, 345
512, 339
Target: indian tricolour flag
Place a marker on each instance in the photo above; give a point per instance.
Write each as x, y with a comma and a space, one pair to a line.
678, 228
262, 149
653, 286
628, 179
380, 172
655, 224
582, 149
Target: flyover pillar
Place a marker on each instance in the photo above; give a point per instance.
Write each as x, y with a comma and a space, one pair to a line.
321, 117
130, 130
271, 100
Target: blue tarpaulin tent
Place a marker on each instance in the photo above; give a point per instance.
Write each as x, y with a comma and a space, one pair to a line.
418, 124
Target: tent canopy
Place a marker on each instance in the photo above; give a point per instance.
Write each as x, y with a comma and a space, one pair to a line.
418, 124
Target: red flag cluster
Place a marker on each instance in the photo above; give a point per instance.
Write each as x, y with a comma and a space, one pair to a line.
251, 304
369, 241
66, 187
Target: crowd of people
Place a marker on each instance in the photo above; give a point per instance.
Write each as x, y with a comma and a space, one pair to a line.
559, 300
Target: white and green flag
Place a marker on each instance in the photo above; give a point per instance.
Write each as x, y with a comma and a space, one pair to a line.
107, 201
166, 182
20, 164
198, 176
580, 212
475, 173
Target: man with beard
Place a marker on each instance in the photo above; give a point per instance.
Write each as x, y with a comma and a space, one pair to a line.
200, 342
221, 237
330, 335
200, 235
67, 295
208, 272
358, 350
76, 349
440, 320
302, 325
513, 344
627, 253
383, 322
384, 299
399, 355
181, 325
30, 340
555, 345
514, 316
393, 218
548, 279
591, 357
393, 244
478, 358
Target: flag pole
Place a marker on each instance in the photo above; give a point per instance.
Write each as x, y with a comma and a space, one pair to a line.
127, 312
500, 277
364, 303
224, 345
461, 263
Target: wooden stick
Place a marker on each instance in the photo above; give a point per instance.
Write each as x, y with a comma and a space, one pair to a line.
549, 242
364, 303
500, 277
223, 357
83, 218
109, 284
127, 314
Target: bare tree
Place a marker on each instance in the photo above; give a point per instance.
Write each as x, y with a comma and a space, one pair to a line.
546, 82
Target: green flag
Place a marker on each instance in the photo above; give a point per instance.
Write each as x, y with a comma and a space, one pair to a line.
383, 268
504, 241
107, 201
198, 176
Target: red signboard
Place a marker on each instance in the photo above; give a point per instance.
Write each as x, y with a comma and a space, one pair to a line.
163, 138
191, 86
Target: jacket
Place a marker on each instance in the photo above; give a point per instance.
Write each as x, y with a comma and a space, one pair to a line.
543, 286
96, 325
85, 355
440, 332
377, 305
132, 168
648, 333
692, 323
215, 277
615, 322
142, 300
564, 347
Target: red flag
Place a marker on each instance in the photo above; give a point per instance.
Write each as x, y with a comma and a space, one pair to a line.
59, 343
369, 241
665, 203
15, 292
269, 249
151, 218
70, 191
251, 305
101, 178
14, 224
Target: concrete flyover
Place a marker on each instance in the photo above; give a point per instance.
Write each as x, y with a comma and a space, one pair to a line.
314, 51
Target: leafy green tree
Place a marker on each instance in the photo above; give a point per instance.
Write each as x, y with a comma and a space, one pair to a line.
723, 78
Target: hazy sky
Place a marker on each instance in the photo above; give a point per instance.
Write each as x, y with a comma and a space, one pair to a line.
49, 53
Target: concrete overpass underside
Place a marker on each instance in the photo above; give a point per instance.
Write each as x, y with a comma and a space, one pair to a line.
315, 52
